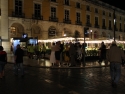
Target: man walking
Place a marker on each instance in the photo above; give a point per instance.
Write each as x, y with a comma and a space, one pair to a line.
19, 60
115, 56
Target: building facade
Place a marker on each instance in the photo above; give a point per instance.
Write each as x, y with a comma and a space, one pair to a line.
46, 19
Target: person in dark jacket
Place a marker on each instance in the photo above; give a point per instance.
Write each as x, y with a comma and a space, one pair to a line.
102, 56
115, 56
3, 61
19, 60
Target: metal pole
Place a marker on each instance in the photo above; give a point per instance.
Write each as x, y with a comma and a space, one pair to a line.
114, 22
84, 47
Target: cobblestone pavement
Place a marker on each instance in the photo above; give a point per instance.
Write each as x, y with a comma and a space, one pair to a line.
60, 81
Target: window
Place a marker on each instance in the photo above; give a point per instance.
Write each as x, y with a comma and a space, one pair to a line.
96, 10
78, 17
124, 27
53, 12
96, 20
88, 18
18, 7
103, 12
109, 14
120, 18
120, 26
66, 14
88, 8
66, 2
103, 22
77, 5
110, 24
53, 0
37, 10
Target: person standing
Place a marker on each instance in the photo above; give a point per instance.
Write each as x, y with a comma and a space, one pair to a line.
3, 61
115, 56
72, 52
52, 55
19, 53
44, 50
37, 51
102, 55
57, 53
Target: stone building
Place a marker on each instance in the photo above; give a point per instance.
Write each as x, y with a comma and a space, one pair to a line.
46, 19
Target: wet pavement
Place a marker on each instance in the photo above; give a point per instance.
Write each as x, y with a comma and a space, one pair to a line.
47, 80
60, 81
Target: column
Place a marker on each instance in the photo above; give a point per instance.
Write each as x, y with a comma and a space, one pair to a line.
4, 25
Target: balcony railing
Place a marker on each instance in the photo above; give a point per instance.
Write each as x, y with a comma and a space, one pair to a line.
78, 23
110, 28
67, 21
120, 30
97, 26
88, 24
38, 17
103, 27
54, 19
17, 14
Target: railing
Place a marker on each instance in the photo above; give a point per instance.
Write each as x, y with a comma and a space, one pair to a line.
97, 26
38, 17
88, 24
78, 23
17, 14
54, 19
67, 21
103, 27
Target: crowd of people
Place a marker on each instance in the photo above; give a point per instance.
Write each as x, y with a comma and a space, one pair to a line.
72, 53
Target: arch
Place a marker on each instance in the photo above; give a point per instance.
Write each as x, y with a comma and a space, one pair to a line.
16, 30
52, 31
67, 32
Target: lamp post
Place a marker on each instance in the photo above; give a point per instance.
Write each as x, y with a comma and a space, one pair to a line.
84, 46
91, 33
114, 23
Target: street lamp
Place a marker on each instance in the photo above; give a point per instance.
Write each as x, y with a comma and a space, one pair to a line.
114, 23
91, 33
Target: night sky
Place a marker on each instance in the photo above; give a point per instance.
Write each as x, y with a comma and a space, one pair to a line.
117, 3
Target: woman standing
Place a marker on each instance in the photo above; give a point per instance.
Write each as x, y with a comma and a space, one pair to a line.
52, 55
3, 60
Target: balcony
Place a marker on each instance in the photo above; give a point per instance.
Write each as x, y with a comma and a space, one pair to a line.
103, 27
120, 30
17, 14
88, 24
110, 28
53, 1
53, 19
78, 23
38, 17
67, 21
97, 26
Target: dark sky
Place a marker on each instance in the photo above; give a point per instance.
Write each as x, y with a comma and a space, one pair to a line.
117, 3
